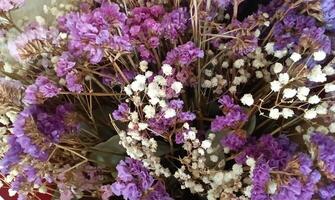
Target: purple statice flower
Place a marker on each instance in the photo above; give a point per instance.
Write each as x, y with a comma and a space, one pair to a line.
12, 156
260, 179
41, 90
159, 192
234, 140
183, 55
233, 115
73, 82
273, 150
92, 32
134, 182
7, 5
31, 33
145, 29
324, 146
327, 192
65, 64
122, 112
174, 24
328, 11
300, 31
222, 3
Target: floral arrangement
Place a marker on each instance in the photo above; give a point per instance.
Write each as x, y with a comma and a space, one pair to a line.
168, 99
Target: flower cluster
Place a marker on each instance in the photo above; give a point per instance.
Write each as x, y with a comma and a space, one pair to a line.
157, 99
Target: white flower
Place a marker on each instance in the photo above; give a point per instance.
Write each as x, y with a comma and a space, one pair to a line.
280, 53
225, 65
283, 78
310, 114
247, 99
237, 169
321, 109
274, 113
142, 126
277, 68
214, 158
167, 69
143, 66
289, 93
332, 127
160, 80
286, 112
328, 70
139, 83
269, 48
169, 113
177, 86
295, 57
208, 72
206, 144
238, 63
315, 99
149, 111
272, 187
259, 74
250, 162
329, 87
316, 75
153, 90
276, 86
319, 55
302, 93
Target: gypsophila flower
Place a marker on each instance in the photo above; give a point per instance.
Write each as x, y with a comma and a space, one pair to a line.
247, 99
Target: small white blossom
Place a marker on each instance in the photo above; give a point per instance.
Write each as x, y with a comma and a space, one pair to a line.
276, 86
250, 162
167, 69
274, 113
269, 48
321, 109
272, 187
143, 66
284, 78
332, 127
289, 93
287, 113
315, 99
177, 86
237, 169
328, 70
310, 114
295, 57
214, 158
319, 55
206, 144
329, 87
238, 63
247, 99
225, 65
277, 68
259, 74
280, 53
149, 111
302, 93
169, 113
316, 75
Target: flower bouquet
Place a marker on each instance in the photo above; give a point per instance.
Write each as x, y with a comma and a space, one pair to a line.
168, 99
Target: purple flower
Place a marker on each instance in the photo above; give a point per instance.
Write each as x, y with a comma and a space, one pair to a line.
41, 90
134, 181
64, 64
327, 192
325, 150
92, 32
183, 55
233, 115
222, 3
7, 5
273, 150
174, 24
328, 10
12, 156
300, 31
122, 113
260, 178
73, 82
234, 140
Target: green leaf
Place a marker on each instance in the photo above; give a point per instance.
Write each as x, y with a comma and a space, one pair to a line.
162, 148
108, 153
250, 125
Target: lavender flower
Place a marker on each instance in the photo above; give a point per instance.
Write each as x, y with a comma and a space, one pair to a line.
325, 149
234, 140
222, 3
134, 182
12, 156
233, 114
122, 112
73, 82
174, 24
90, 33
64, 64
7, 5
260, 178
41, 90
183, 55
328, 10
327, 192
